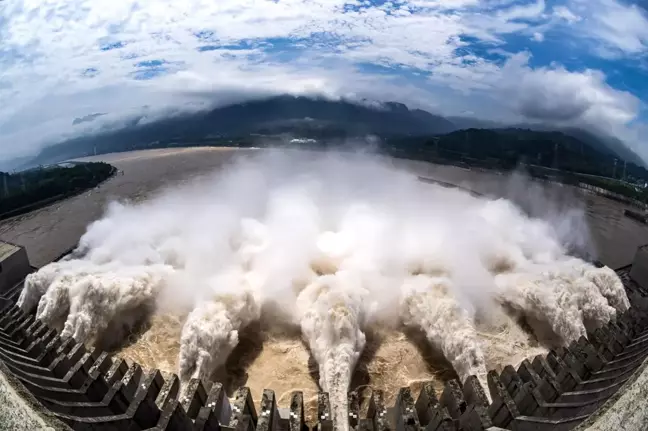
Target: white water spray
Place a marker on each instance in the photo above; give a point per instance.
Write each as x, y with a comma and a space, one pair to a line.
428, 304
331, 319
337, 242
211, 332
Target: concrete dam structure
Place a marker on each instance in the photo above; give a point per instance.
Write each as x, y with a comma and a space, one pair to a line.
595, 383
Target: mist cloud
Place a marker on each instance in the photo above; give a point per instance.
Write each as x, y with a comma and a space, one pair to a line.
334, 241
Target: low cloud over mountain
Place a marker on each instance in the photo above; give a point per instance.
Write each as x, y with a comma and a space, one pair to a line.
571, 63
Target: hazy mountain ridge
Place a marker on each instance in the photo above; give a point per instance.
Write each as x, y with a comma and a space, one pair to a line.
280, 114
297, 115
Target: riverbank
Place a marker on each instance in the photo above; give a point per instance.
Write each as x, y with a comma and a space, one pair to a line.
41, 203
585, 187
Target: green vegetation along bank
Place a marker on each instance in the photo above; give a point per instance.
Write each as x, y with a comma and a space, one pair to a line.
548, 155
25, 191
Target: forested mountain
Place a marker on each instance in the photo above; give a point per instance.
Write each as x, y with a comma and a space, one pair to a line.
603, 143
259, 121
507, 148
284, 114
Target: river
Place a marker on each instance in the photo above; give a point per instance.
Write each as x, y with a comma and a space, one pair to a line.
48, 232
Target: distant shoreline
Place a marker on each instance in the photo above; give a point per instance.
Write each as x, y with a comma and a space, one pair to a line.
120, 156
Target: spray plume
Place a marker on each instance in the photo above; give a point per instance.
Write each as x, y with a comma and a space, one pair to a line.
334, 241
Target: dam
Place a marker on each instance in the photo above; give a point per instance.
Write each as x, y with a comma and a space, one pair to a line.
390, 399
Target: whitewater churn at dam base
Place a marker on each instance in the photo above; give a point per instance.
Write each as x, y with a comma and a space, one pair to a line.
336, 252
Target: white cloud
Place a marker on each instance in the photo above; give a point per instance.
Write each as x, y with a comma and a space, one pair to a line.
555, 94
545, 94
527, 11
617, 28
564, 13
54, 69
446, 4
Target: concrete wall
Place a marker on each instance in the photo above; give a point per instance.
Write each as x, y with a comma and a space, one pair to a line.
13, 269
627, 410
602, 378
19, 410
639, 271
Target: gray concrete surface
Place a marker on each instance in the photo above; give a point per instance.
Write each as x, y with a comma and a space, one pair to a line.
627, 410
14, 265
20, 411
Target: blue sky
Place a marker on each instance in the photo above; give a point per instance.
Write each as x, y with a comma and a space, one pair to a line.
576, 62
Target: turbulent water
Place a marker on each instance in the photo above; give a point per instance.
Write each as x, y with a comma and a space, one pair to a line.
340, 244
